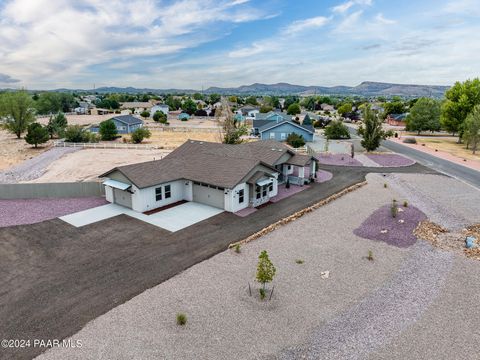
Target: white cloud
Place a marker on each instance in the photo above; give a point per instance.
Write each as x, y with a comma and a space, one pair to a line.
382, 20
55, 40
306, 24
344, 7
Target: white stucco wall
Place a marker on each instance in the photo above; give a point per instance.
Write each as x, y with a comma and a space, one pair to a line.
144, 199
231, 198
109, 194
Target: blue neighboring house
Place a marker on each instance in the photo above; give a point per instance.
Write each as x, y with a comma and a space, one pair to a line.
268, 118
280, 131
125, 124
183, 116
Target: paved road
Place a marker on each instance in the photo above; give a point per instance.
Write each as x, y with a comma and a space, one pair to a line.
457, 171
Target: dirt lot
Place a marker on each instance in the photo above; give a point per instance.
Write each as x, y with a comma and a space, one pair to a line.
87, 164
449, 145
14, 151
80, 119
173, 139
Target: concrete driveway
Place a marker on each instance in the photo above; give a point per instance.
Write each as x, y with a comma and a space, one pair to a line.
172, 219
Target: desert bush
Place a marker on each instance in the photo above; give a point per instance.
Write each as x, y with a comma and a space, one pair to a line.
394, 209
237, 249
336, 130
295, 140
410, 140
299, 261
405, 203
139, 134
181, 319
370, 255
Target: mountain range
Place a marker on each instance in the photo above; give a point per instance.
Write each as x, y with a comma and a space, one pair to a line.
366, 88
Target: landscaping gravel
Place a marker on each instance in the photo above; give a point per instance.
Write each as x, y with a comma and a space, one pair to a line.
366, 161
323, 176
390, 160
337, 159
446, 201
35, 167
398, 231
382, 315
30, 211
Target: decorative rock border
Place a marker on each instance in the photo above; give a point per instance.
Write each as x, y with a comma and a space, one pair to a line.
297, 214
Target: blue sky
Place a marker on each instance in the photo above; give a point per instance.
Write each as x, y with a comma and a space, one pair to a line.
47, 44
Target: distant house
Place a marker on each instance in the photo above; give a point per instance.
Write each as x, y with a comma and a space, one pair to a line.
327, 107
159, 107
239, 117
137, 106
248, 111
280, 131
397, 119
229, 177
262, 119
125, 124
183, 116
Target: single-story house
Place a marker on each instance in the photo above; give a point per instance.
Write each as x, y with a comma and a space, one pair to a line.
280, 131
183, 116
229, 177
125, 124
397, 119
248, 111
159, 107
137, 106
262, 119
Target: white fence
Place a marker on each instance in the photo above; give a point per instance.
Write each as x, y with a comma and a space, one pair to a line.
113, 145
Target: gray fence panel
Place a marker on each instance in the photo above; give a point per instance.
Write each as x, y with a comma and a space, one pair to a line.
50, 190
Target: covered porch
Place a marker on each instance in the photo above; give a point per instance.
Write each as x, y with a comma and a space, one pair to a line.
262, 187
297, 172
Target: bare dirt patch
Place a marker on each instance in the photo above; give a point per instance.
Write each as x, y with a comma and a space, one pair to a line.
87, 164
173, 139
80, 119
14, 151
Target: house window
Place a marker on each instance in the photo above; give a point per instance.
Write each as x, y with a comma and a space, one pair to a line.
272, 135
168, 191
283, 136
158, 194
241, 196
120, 128
258, 192
264, 191
270, 187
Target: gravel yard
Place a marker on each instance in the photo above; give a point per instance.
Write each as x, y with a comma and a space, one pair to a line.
30, 211
338, 159
34, 167
224, 322
390, 160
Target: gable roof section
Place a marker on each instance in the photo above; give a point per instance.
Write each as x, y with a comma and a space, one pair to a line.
128, 119
269, 126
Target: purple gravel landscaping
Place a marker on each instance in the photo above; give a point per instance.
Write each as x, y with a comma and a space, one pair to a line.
390, 160
323, 176
397, 233
338, 159
30, 211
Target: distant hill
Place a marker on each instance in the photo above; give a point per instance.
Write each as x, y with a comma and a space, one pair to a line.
366, 88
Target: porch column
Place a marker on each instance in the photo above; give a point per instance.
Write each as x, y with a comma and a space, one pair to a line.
313, 169
301, 172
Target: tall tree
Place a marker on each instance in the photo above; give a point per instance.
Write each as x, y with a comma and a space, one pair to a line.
424, 116
265, 269
294, 109
36, 134
231, 129
372, 130
344, 108
461, 98
108, 130
57, 124
394, 107
189, 106
17, 111
471, 133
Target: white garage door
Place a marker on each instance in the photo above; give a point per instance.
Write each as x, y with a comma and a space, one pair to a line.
122, 197
209, 196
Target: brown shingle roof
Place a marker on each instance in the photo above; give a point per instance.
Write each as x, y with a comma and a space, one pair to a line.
212, 163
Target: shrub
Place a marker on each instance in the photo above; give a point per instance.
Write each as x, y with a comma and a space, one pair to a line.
394, 209
405, 203
262, 293
336, 130
410, 140
385, 185
237, 249
295, 140
36, 134
145, 114
108, 130
265, 269
139, 134
160, 116
181, 319
299, 261
76, 133
370, 255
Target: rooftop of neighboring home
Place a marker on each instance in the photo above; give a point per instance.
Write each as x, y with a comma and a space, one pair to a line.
216, 164
272, 115
271, 125
136, 104
398, 117
128, 119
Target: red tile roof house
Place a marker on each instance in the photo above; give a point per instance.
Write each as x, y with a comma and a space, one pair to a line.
396, 119
230, 177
